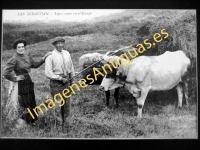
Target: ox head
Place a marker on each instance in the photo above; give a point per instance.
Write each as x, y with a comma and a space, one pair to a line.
115, 78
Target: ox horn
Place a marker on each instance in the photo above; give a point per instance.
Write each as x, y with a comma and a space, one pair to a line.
106, 57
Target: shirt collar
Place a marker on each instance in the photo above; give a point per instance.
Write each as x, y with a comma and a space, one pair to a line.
20, 55
58, 51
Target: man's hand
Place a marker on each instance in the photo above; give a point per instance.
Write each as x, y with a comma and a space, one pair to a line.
64, 80
64, 76
20, 77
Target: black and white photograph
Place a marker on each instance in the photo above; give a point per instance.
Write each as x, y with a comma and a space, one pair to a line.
99, 74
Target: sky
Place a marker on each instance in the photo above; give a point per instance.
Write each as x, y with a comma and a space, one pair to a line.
69, 15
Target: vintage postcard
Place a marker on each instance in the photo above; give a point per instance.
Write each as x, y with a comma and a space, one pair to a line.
99, 74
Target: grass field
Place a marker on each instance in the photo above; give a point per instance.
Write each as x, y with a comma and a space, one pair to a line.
90, 118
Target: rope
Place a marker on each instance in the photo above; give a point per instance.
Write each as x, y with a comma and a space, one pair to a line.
112, 53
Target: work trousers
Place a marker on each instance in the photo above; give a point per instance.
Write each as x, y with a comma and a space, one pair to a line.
56, 87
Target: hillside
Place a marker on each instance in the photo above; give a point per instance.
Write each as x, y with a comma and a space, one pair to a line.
124, 24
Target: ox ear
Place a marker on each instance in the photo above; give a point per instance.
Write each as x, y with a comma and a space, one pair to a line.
120, 78
117, 78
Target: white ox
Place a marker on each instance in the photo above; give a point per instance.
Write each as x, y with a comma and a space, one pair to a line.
150, 73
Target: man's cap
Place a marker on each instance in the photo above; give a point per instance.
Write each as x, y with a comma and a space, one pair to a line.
58, 39
17, 42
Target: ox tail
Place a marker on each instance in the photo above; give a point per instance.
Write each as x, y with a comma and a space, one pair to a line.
191, 62
187, 67
188, 61
188, 76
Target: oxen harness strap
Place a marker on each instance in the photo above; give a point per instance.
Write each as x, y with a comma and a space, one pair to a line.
125, 73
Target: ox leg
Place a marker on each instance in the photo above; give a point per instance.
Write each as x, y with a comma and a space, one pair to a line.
185, 88
116, 97
180, 94
140, 101
107, 97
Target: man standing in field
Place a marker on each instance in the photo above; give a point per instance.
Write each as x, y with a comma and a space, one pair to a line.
59, 69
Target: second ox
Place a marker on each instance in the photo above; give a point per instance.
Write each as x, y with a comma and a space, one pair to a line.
89, 59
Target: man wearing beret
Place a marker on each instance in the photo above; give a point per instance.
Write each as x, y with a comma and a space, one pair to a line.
59, 69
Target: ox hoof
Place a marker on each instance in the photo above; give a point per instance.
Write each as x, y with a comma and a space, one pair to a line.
65, 124
139, 116
180, 108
